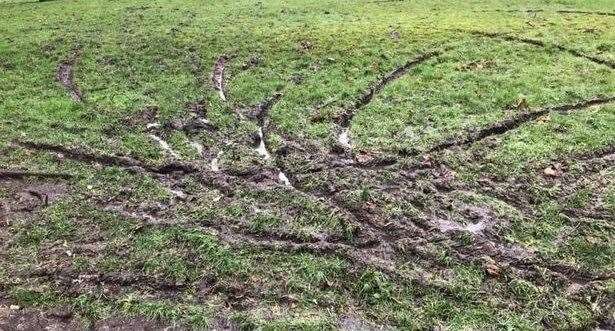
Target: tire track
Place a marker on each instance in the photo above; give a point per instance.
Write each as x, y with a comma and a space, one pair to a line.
343, 120
540, 43
375, 88
531, 11
17, 174
515, 122
124, 162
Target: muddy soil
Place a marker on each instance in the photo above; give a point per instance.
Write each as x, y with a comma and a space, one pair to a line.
14, 318
21, 197
66, 77
218, 77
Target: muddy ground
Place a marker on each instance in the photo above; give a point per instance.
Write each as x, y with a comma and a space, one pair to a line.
112, 241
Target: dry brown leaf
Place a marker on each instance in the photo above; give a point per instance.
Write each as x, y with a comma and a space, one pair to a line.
491, 266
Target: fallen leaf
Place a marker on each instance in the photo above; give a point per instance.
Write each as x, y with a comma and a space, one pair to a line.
491, 266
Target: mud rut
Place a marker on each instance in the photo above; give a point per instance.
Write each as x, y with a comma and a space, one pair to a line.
374, 240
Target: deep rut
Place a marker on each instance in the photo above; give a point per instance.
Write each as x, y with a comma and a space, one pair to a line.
540, 43
375, 88
518, 120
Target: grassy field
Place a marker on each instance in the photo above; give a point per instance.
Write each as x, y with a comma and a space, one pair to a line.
307, 164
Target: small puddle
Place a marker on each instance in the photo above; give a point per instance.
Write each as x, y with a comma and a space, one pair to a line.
203, 120
178, 194
284, 179
152, 126
221, 94
262, 149
218, 77
447, 225
164, 145
198, 146
213, 165
344, 138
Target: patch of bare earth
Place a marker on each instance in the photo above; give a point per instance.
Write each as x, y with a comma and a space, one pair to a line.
65, 75
13, 317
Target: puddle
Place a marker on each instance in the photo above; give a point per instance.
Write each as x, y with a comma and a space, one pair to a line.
199, 147
152, 126
344, 138
218, 77
262, 149
284, 179
203, 120
447, 225
164, 145
213, 165
221, 94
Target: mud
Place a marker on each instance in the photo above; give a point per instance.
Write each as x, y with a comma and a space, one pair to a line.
127, 163
16, 174
261, 111
65, 76
351, 323
25, 197
64, 319
31, 319
259, 114
146, 116
217, 77
378, 244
